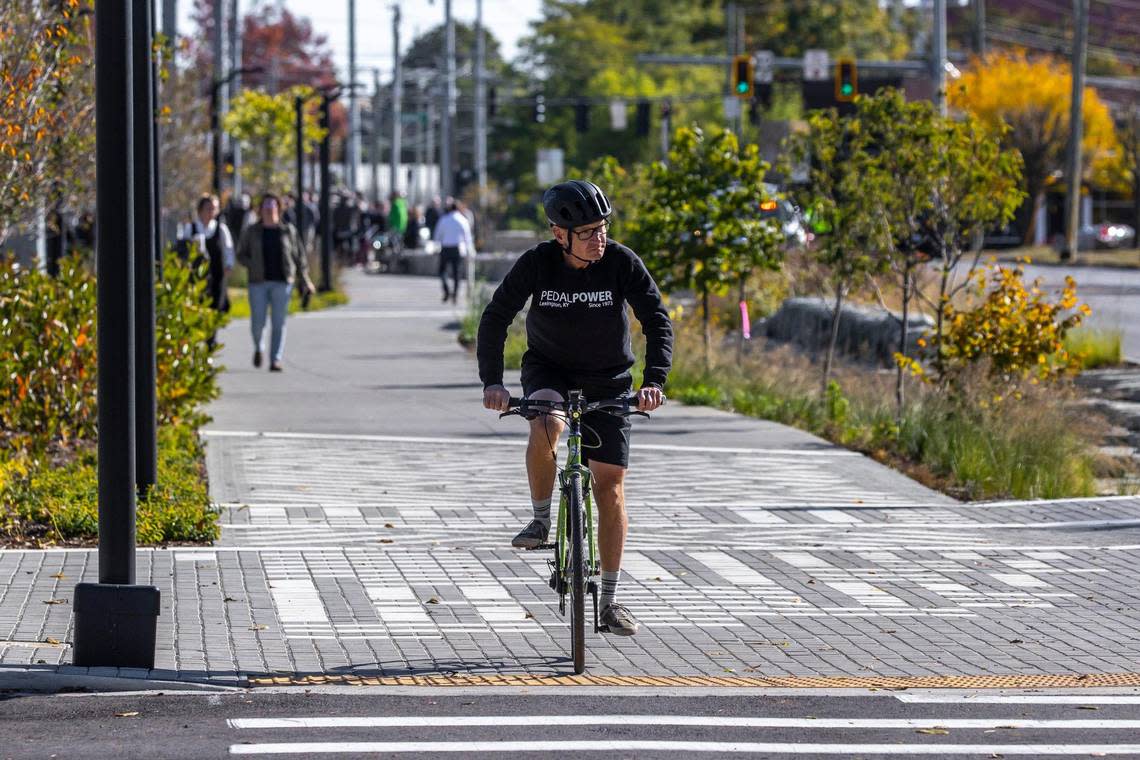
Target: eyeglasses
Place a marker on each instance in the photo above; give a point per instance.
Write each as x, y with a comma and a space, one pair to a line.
586, 235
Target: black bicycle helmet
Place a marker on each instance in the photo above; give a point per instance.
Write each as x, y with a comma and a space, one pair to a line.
576, 203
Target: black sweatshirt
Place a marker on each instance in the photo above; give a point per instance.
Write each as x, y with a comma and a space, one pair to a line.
577, 318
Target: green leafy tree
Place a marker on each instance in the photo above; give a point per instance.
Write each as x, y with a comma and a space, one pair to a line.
865, 28
700, 227
266, 126
846, 194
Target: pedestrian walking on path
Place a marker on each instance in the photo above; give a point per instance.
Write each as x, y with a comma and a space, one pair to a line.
453, 233
216, 247
578, 338
275, 257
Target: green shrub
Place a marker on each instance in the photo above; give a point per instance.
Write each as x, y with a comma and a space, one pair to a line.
1095, 347
239, 302
184, 322
49, 478
60, 502
47, 355
978, 445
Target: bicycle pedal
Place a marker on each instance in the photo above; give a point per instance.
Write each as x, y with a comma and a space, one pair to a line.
540, 546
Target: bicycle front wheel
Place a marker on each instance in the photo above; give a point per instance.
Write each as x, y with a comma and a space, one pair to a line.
577, 573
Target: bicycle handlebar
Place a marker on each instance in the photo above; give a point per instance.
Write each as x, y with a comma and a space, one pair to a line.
619, 407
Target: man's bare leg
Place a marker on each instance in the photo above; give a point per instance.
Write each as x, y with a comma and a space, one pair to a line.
541, 470
609, 495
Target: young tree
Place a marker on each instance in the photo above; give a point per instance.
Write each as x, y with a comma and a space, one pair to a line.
45, 108
847, 192
1032, 98
700, 226
266, 126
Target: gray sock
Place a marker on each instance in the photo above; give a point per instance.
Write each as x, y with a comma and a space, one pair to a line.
608, 588
541, 511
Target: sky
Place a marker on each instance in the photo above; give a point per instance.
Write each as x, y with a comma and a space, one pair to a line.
508, 20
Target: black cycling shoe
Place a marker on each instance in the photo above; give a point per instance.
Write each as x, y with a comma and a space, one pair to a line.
532, 536
617, 620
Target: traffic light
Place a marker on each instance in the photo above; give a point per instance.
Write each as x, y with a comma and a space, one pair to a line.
641, 121
742, 77
846, 80
582, 117
539, 109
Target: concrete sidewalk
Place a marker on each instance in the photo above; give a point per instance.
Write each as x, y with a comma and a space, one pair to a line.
368, 502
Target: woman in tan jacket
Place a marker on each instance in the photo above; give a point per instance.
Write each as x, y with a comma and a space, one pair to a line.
272, 252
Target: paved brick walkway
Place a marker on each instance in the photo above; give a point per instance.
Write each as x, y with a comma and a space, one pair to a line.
387, 555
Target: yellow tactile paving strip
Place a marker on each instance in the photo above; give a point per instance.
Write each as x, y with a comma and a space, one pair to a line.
1012, 681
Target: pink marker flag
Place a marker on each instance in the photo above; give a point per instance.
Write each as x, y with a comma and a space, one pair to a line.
745, 325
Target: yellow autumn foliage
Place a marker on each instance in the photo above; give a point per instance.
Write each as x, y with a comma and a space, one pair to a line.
1033, 97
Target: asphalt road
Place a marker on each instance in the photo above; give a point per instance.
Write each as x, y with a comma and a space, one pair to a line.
1113, 294
483, 723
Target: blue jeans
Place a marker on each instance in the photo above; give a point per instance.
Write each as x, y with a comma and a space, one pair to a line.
262, 297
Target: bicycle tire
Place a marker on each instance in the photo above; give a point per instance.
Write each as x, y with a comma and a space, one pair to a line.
577, 574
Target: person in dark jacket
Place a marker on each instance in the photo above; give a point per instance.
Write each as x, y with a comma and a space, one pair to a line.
273, 253
577, 332
215, 248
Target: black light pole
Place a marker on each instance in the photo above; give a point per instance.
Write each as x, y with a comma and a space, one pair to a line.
156, 153
115, 620
146, 433
326, 215
299, 112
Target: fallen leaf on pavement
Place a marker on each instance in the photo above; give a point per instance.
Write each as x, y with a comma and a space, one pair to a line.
1087, 707
433, 600
389, 525
937, 731
55, 601
259, 627
59, 576
387, 541
50, 640
126, 715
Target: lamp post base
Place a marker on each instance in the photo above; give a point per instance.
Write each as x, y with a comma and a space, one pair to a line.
115, 625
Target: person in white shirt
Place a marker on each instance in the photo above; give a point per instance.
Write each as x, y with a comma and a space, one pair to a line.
453, 233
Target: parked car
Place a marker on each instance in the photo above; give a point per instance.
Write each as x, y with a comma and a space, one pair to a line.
1103, 236
787, 215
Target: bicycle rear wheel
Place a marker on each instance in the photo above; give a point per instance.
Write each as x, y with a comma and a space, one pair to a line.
577, 574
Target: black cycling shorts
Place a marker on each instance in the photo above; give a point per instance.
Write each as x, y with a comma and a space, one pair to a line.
605, 437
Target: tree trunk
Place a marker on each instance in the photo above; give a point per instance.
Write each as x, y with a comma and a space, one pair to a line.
904, 339
707, 325
943, 285
740, 338
1033, 199
830, 355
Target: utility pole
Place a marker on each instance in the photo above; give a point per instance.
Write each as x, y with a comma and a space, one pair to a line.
235, 88
325, 200
1076, 132
480, 106
218, 97
980, 27
374, 149
115, 619
938, 61
142, 129
170, 21
446, 169
299, 154
432, 164
352, 155
397, 101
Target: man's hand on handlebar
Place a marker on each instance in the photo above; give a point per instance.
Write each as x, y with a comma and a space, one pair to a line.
496, 397
649, 398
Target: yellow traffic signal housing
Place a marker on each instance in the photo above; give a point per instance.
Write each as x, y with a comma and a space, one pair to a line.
743, 77
846, 80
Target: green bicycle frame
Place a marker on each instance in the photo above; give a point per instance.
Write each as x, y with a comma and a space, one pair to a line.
562, 541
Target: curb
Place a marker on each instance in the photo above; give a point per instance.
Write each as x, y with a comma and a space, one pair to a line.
51, 682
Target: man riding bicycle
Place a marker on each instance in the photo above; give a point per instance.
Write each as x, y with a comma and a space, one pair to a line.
578, 337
